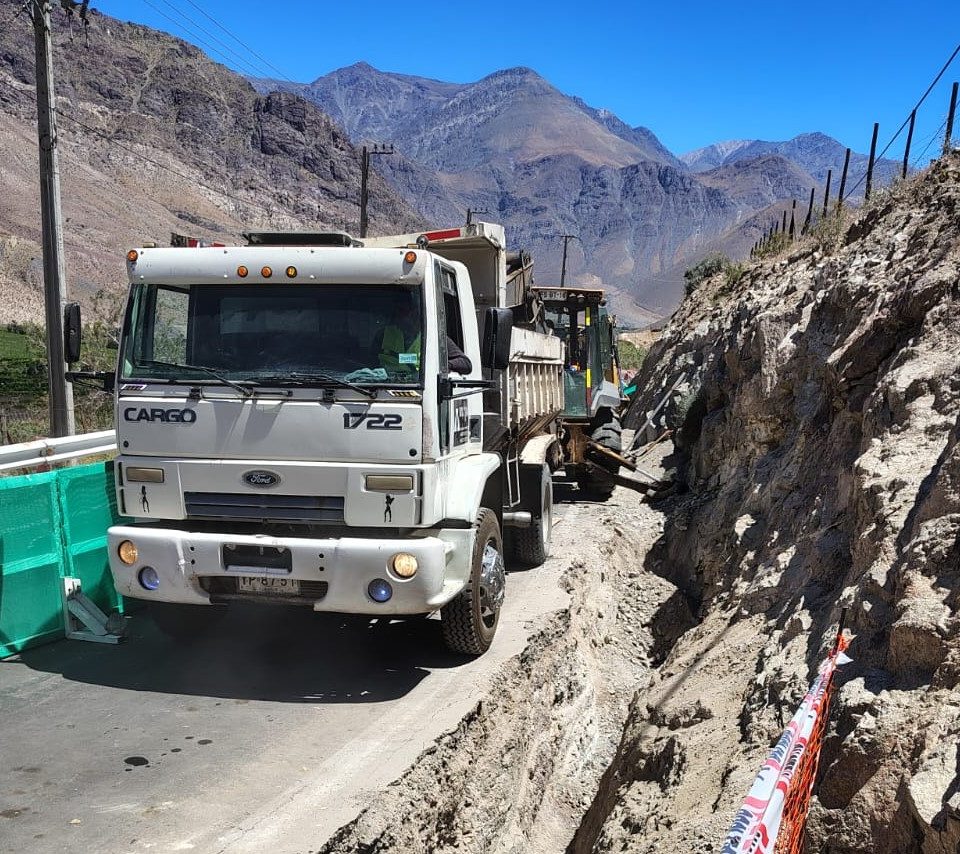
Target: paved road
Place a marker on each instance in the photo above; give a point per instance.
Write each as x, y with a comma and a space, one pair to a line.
265, 737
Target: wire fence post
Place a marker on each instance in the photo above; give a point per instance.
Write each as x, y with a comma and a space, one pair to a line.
843, 181
953, 110
793, 220
871, 161
783, 227
809, 217
906, 151
826, 192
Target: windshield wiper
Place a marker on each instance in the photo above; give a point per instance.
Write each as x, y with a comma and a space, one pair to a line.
211, 371
299, 379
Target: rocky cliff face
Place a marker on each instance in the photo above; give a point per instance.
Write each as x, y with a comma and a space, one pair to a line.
156, 138
818, 421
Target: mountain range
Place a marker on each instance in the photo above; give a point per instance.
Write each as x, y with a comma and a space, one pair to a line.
156, 137
547, 164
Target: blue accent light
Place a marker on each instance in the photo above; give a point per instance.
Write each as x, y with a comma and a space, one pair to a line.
379, 590
148, 578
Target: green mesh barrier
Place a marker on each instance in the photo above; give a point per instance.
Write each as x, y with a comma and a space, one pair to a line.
52, 525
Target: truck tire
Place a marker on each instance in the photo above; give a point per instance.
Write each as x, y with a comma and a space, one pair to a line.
469, 620
185, 622
605, 431
531, 546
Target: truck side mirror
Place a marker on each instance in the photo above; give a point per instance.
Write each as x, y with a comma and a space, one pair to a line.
496, 338
71, 332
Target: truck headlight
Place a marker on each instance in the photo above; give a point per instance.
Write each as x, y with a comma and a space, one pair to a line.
127, 552
148, 578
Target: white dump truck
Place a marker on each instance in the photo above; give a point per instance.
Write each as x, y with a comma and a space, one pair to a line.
346, 425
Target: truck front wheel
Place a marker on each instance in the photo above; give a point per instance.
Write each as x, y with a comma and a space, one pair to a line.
469, 620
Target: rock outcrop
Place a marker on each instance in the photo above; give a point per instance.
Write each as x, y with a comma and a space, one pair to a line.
817, 423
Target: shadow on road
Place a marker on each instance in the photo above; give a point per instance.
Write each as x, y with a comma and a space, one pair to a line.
261, 653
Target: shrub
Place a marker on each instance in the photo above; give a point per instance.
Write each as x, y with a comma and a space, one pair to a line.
709, 266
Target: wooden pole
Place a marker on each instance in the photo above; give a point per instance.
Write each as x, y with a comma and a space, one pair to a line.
906, 151
953, 110
843, 181
809, 217
54, 269
793, 220
826, 192
783, 227
364, 172
871, 161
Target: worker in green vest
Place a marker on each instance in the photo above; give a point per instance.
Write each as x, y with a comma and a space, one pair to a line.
400, 346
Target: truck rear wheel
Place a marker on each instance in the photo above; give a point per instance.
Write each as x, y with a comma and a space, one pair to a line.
531, 546
605, 431
469, 620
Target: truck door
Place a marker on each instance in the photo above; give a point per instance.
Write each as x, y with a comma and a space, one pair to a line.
454, 415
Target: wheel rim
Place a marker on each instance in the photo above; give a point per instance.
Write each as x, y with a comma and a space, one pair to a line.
492, 584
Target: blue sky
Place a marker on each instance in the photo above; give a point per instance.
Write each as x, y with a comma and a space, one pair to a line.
693, 72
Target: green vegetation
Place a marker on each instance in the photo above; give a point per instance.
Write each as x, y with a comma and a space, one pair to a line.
631, 356
23, 376
711, 266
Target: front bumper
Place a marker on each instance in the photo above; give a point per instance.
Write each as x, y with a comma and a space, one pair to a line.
190, 565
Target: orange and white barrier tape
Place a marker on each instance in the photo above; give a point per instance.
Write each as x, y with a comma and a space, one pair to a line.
757, 824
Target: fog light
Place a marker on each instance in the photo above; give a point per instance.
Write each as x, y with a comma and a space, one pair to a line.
148, 578
405, 565
128, 553
379, 590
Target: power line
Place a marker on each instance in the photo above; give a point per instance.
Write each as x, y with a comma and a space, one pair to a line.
936, 135
906, 121
207, 32
246, 47
208, 46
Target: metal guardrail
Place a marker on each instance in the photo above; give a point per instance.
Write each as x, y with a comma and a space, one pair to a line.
42, 451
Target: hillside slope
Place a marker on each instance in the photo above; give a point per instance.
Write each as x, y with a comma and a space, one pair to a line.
818, 421
156, 138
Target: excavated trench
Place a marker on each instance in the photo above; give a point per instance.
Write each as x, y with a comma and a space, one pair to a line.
534, 767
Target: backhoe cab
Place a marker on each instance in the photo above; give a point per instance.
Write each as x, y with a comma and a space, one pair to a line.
591, 379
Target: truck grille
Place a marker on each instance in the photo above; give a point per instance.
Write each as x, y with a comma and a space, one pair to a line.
268, 508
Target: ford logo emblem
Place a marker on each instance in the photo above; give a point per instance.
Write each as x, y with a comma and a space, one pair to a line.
261, 478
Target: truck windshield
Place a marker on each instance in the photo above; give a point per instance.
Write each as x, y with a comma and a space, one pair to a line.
311, 334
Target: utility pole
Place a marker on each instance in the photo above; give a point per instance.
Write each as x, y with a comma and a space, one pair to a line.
54, 274
365, 155
563, 268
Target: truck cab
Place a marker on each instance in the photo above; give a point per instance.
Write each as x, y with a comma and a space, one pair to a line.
290, 430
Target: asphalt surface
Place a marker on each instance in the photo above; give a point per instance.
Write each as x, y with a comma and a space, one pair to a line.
266, 736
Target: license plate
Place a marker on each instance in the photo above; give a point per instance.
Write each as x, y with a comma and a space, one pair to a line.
270, 586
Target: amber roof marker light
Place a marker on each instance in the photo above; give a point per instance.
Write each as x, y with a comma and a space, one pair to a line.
132, 256
410, 257
291, 272
242, 272
266, 272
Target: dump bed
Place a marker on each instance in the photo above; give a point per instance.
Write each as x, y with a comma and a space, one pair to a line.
531, 393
